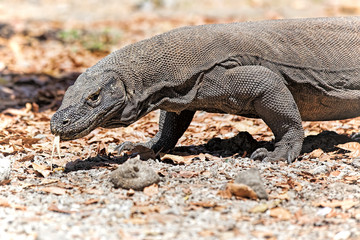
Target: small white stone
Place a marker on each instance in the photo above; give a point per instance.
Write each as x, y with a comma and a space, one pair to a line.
343, 235
324, 211
320, 170
5, 167
356, 162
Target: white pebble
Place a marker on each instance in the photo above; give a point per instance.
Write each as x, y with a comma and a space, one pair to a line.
5, 167
343, 235
323, 211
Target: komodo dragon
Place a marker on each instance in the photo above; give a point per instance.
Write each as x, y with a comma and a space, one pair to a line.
283, 71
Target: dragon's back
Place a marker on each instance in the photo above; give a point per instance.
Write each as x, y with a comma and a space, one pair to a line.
319, 43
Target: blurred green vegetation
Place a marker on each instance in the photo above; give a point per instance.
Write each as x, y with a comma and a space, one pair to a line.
99, 40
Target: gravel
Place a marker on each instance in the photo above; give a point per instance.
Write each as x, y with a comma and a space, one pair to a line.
184, 207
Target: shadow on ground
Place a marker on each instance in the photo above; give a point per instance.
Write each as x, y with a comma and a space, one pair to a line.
46, 91
242, 145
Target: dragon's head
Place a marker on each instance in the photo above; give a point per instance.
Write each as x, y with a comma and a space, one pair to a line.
98, 98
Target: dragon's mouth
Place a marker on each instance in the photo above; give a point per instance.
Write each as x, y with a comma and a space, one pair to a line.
75, 129
74, 134
103, 119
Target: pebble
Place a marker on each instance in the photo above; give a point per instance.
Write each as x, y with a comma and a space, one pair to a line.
343, 235
324, 211
5, 167
252, 178
319, 170
356, 162
134, 174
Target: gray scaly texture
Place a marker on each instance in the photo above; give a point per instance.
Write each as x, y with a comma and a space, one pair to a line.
283, 71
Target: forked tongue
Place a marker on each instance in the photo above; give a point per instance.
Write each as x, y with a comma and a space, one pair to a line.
56, 143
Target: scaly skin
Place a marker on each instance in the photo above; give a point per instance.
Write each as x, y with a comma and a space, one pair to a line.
282, 71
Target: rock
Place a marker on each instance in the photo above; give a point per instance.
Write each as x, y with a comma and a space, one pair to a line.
134, 174
252, 178
319, 170
356, 162
343, 235
323, 211
5, 167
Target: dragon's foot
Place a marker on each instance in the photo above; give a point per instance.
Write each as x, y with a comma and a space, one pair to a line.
285, 153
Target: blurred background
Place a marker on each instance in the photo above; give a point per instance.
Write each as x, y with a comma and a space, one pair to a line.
45, 44
92, 10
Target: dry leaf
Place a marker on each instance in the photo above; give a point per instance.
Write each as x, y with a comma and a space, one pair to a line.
151, 190
125, 235
247, 126
9, 149
207, 204
135, 221
146, 209
55, 208
295, 185
351, 179
344, 204
188, 174
280, 213
241, 190
206, 173
206, 233
18, 142
47, 181
29, 140
92, 201
43, 170
26, 158
335, 173
177, 159
332, 213
225, 193
100, 138
285, 186
5, 182
163, 172
144, 152
18, 207
4, 203
54, 190
316, 153
324, 157
260, 208
353, 147
202, 156
263, 235
283, 196
92, 191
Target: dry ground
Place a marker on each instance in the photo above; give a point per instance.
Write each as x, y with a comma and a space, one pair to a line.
43, 47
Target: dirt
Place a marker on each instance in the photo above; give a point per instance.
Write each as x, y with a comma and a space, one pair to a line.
207, 188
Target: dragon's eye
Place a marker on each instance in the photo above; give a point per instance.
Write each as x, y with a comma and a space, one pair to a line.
94, 96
